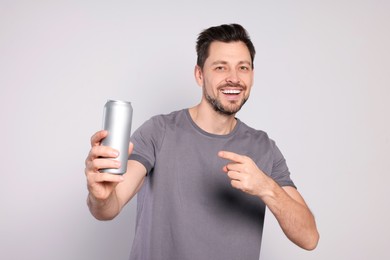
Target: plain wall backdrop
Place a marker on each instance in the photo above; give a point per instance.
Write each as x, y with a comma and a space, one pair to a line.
322, 91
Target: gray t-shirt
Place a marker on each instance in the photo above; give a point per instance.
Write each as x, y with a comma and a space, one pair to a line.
187, 208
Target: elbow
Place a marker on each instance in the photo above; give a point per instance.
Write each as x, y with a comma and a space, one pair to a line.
99, 214
103, 218
311, 243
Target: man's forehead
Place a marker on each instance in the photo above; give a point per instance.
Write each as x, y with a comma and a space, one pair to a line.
228, 53
230, 49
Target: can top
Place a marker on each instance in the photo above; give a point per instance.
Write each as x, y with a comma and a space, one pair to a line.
118, 101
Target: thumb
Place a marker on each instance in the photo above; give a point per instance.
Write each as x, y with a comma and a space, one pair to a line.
225, 169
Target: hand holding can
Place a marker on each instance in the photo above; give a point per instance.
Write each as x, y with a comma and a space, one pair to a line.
117, 118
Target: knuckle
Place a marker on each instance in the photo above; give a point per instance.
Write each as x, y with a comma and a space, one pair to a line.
95, 165
245, 187
89, 165
92, 167
94, 138
91, 180
89, 157
96, 151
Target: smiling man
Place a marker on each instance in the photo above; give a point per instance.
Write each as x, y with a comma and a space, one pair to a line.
203, 177
231, 76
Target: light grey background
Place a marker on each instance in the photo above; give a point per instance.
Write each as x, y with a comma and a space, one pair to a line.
322, 91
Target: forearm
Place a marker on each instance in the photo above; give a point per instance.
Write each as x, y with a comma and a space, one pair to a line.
104, 209
286, 203
293, 215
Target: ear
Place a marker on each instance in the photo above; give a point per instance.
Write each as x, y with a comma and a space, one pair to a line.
198, 75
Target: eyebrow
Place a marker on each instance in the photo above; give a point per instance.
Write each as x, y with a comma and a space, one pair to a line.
225, 62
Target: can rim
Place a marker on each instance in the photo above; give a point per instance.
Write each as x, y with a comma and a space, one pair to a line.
118, 101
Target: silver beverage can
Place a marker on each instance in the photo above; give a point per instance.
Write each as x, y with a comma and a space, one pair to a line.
117, 118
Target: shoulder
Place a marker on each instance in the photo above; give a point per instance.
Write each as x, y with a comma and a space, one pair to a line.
168, 118
157, 125
256, 134
256, 141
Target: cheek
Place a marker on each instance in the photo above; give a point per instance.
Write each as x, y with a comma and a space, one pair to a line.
249, 83
210, 83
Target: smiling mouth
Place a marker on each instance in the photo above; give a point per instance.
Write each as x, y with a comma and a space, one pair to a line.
231, 91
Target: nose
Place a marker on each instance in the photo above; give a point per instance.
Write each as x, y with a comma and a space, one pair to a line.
233, 77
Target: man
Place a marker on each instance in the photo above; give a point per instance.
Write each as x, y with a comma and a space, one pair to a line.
203, 177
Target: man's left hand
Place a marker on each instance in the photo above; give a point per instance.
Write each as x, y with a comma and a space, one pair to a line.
244, 173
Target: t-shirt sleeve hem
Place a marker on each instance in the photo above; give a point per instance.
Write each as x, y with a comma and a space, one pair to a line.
287, 183
141, 160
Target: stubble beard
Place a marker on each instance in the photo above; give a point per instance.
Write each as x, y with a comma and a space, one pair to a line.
221, 109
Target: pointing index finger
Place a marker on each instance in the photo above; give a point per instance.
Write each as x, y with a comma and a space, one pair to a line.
231, 156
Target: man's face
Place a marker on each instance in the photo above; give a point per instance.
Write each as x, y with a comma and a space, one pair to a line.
227, 76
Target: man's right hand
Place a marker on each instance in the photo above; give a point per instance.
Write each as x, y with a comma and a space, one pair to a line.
100, 184
108, 192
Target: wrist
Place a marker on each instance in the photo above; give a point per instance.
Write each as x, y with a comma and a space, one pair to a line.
95, 202
268, 190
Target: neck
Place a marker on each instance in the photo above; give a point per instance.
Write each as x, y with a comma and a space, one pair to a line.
211, 121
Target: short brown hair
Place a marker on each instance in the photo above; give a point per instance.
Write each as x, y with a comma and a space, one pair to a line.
223, 33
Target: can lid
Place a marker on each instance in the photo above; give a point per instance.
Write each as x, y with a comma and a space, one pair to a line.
118, 101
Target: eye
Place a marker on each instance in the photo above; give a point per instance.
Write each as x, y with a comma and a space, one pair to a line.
244, 68
219, 68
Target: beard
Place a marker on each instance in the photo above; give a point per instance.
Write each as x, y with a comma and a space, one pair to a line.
217, 105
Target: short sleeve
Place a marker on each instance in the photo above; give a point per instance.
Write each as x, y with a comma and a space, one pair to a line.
280, 172
147, 141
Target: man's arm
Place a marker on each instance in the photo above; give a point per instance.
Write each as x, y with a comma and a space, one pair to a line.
293, 215
287, 205
108, 193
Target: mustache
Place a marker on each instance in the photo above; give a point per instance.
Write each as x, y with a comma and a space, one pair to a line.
232, 85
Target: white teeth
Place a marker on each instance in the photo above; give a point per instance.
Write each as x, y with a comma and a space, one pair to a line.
231, 91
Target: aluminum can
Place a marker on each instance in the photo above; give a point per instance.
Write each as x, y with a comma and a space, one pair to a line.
117, 118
